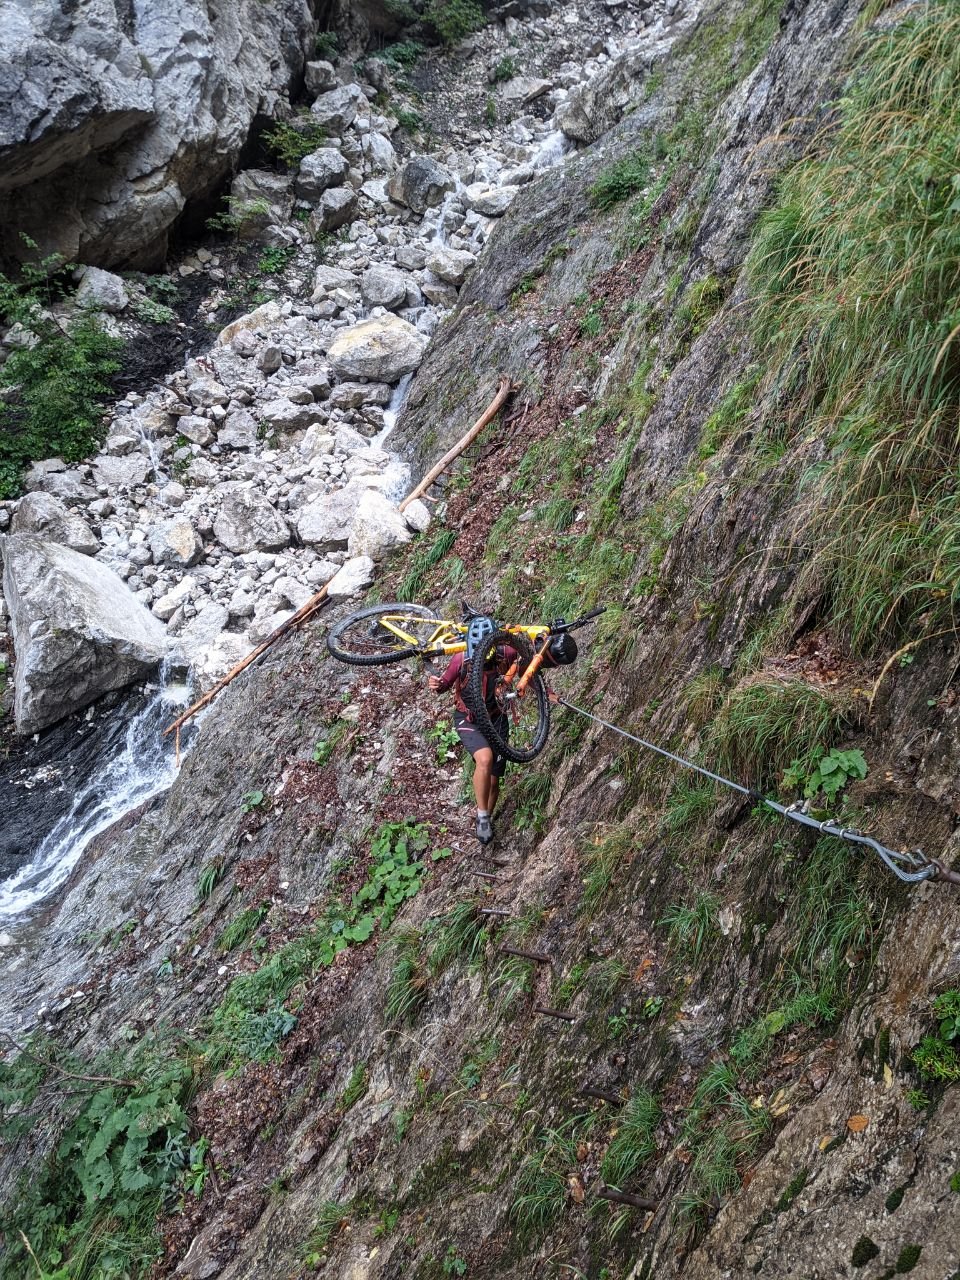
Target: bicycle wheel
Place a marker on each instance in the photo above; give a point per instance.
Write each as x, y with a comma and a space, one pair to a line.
528, 718
369, 637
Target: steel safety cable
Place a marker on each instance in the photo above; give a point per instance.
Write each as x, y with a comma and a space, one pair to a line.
910, 866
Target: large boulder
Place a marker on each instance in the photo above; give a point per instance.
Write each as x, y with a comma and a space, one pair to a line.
114, 116
337, 109
383, 286
247, 522
175, 543
377, 526
78, 630
597, 104
319, 171
326, 523
450, 265
335, 208
41, 513
420, 184
381, 350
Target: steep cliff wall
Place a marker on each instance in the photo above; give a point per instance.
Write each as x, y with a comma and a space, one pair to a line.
377, 1092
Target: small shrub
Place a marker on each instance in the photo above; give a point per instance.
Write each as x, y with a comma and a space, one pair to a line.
831, 774
291, 140
327, 45
621, 181
61, 381
452, 20
505, 69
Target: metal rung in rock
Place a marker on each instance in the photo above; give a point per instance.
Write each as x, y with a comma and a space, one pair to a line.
538, 956
555, 1013
588, 1091
623, 1197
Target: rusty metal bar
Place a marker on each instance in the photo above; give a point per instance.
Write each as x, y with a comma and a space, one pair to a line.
554, 1013
624, 1197
485, 875
538, 956
588, 1091
493, 911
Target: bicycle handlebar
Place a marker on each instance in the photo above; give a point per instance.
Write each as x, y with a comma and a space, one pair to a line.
557, 628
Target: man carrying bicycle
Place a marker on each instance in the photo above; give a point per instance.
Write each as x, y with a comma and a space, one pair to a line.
490, 763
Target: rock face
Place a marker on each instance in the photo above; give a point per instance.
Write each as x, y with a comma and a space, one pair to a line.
77, 629
43, 514
115, 115
382, 350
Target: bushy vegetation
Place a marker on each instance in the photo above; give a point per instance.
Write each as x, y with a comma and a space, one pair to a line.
291, 140
453, 19
61, 373
856, 273
126, 1150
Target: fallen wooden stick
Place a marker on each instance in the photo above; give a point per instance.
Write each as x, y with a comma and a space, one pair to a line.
303, 613
491, 411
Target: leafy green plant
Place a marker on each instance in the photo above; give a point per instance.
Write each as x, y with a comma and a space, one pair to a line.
935, 1056
408, 120
275, 258
453, 1264
251, 800
239, 214
624, 179
402, 55
90, 1209
326, 748
444, 738
918, 1099
505, 69
327, 45
452, 20
291, 140
61, 377
830, 775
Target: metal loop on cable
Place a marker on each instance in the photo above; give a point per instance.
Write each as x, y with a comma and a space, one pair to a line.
927, 868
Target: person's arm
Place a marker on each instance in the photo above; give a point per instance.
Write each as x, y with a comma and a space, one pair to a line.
440, 684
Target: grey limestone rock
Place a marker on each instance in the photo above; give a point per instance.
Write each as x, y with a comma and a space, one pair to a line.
248, 522
383, 286
337, 109
352, 577
319, 76
319, 171
421, 183
102, 290
175, 543
77, 628
450, 265
382, 350
239, 430
377, 526
336, 207
43, 514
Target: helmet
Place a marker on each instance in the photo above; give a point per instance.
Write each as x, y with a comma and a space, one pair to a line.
480, 627
563, 649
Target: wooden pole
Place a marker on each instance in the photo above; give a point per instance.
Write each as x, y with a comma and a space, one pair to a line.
312, 605
623, 1197
491, 411
303, 613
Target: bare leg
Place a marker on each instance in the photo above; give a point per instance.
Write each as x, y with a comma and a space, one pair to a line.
483, 763
493, 795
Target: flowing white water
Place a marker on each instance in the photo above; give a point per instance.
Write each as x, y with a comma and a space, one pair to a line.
142, 767
551, 150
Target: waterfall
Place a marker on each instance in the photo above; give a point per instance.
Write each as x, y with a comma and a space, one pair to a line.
551, 150
140, 767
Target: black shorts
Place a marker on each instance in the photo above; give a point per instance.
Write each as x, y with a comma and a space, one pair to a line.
474, 740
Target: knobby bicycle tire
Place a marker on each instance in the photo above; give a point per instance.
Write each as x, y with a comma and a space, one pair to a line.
534, 704
360, 630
